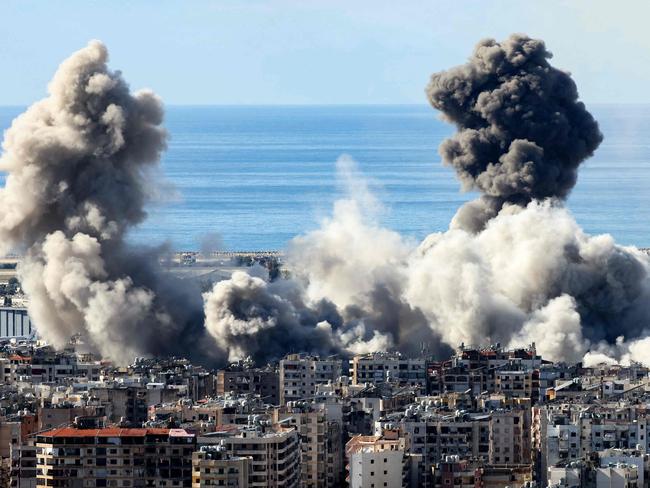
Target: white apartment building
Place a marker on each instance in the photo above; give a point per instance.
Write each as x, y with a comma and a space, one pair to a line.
300, 374
378, 368
377, 462
274, 450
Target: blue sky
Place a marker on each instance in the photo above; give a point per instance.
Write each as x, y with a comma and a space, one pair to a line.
316, 51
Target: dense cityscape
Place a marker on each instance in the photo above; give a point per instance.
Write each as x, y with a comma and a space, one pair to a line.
506, 345
485, 417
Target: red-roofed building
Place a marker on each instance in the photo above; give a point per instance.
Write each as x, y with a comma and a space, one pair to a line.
114, 456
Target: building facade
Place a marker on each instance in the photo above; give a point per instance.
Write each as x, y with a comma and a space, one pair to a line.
73, 457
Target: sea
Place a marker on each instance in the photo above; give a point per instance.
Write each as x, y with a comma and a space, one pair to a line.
247, 178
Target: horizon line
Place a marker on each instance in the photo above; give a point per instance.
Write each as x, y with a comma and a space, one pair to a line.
343, 104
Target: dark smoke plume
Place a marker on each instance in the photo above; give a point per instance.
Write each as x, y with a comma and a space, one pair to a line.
249, 317
81, 165
522, 133
514, 266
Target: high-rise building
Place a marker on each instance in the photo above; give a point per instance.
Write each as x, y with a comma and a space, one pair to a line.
215, 466
321, 461
242, 379
74, 457
274, 450
301, 373
376, 368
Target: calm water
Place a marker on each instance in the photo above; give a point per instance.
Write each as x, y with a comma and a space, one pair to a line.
260, 175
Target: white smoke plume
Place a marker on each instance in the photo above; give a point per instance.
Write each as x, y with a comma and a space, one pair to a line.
343, 295
81, 165
514, 267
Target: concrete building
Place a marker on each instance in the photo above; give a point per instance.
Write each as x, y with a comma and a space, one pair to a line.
75, 457
630, 457
435, 435
274, 450
214, 466
15, 322
455, 472
239, 379
377, 461
567, 476
618, 476
300, 374
321, 460
61, 415
518, 384
510, 439
10, 435
505, 476
23, 466
379, 368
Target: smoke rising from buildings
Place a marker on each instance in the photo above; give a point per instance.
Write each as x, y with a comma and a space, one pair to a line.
81, 165
513, 267
343, 294
522, 133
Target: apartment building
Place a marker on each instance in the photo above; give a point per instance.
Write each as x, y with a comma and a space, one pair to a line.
215, 466
321, 460
300, 374
378, 461
274, 450
435, 436
114, 457
241, 380
456, 472
376, 368
510, 438
59, 415
518, 384
23, 466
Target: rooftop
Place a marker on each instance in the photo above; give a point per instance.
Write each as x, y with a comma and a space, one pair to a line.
113, 432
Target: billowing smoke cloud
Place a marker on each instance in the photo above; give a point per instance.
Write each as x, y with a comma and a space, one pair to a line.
248, 316
81, 164
343, 295
514, 266
531, 275
521, 130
